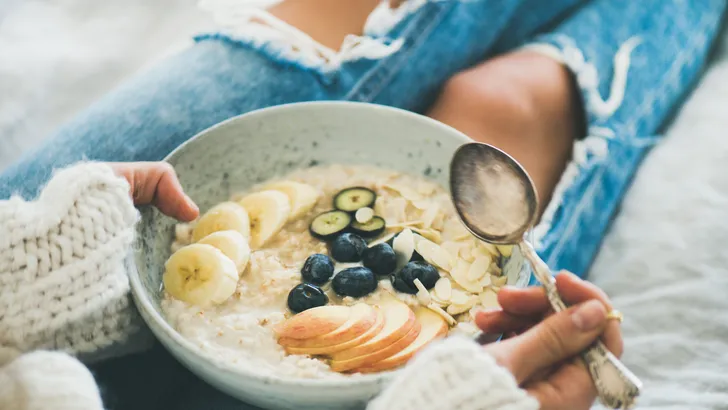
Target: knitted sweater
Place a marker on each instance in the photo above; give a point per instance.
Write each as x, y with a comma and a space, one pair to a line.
64, 299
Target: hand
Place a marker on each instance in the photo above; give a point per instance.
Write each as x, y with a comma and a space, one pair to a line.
542, 352
156, 183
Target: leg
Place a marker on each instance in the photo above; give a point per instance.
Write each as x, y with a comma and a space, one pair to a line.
238, 70
523, 103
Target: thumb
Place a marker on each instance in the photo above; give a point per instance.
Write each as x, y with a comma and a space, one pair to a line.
559, 337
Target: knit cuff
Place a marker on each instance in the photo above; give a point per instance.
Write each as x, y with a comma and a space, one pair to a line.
455, 373
63, 280
47, 381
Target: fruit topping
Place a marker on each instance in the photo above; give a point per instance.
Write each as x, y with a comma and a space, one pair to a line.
201, 275
329, 224
352, 199
306, 296
268, 211
348, 248
302, 197
374, 227
355, 282
222, 217
381, 259
317, 269
403, 280
232, 244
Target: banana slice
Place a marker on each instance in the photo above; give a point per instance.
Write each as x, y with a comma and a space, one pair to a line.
232, 244
223, 217
200, 274
268, 211
302, 197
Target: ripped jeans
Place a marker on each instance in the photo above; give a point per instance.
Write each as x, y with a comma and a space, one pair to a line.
634, 61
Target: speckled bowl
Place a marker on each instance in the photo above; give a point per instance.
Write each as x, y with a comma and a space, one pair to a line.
251, 148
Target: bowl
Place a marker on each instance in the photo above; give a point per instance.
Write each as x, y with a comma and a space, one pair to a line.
251, 148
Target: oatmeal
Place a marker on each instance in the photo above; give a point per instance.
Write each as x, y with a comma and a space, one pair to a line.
376, 262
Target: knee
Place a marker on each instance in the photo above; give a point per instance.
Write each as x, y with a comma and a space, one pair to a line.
517, 88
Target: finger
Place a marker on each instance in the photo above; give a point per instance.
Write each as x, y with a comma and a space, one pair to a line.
498, 321
170, 198
574, 290
156, 183
520, 301
569, 387
559, 337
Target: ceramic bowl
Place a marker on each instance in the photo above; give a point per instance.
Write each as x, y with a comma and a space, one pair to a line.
237, 153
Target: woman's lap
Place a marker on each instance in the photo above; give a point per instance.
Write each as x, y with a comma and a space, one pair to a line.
219, 78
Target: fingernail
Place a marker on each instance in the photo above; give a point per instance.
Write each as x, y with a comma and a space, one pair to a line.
589, 315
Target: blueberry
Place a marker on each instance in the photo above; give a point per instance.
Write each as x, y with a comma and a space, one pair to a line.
348, 248
355, 282
317, 269
306, 296
380, 259
404, 280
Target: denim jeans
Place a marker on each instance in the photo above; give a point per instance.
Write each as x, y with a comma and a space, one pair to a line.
633, 61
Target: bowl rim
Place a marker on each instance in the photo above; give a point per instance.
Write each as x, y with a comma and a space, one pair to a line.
169, 334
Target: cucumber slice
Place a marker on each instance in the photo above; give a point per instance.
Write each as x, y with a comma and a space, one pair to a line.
329, 224
373, 227
352, 199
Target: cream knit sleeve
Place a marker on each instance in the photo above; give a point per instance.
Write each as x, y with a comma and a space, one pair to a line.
63, 281
455, 373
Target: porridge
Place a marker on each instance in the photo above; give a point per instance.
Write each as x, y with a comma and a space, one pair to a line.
329, 272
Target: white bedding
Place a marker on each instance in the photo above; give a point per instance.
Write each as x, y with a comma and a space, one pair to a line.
664, 263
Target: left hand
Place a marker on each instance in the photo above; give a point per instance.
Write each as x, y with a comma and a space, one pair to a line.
156, 183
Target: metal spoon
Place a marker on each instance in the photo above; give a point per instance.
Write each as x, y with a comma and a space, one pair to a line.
497, 202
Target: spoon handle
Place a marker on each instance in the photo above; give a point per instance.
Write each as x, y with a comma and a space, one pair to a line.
616, 385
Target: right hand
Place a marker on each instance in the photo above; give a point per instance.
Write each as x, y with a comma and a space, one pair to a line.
543, 350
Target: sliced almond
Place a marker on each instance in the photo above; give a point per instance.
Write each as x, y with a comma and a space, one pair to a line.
434, 254
364, 215
490, 248
430, 234
383, 239
489, 299
422, 205
453, 248
403, 246
459, 297
405, 191
505, 250
439, 222
498, 280
494, 269
443, 289
437, 309
456, 309
405, 224
430, 215
379, 207
395, 211
478, 268
423, 296
466, 253
435, 299
485, 281
460, 275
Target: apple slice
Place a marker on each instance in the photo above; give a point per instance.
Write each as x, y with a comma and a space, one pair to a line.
379, 355
313, 322
433, 327
327, 350
398, 321
362, 319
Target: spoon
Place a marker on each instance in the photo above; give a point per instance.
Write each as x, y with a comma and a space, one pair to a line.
496, 200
